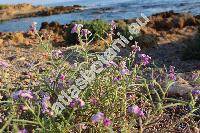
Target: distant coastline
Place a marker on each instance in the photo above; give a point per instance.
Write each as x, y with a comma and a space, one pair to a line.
8, 12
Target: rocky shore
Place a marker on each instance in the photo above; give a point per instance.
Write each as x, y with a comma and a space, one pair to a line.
8, 12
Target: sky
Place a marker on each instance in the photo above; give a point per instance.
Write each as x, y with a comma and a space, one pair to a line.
31, 1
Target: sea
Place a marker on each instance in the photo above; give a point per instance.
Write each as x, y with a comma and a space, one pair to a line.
104, 9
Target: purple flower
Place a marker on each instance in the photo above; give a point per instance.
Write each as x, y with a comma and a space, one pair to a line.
60, 85
112, 63
33, 27
85, 32
117, 78
136, 110
77, 102
135, 48
62, 77
45, 100
172, 73
23, 108
76, 28
72, 104
23, 131
194, 76
3, 64
27, 94
97, 117
196, 92
56, 54
23, 93
80, 102
145, 59
113, 25
137, 78
151, 85
107, 122
93, 101
125, 72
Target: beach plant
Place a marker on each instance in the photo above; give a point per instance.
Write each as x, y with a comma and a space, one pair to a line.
129, 95
99, 28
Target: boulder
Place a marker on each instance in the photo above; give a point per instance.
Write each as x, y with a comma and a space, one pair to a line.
181, 87
44, 25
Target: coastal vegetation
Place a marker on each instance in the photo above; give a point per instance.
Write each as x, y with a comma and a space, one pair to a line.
146, 88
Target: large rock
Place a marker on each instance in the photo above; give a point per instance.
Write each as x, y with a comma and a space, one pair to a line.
56, 27
169, 20
181, 88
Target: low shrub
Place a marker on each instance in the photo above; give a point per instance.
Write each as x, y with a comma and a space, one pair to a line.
122, 28
98, 28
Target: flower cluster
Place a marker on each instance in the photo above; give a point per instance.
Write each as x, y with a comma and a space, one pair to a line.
145, 59
113, 25
77, 28
33, 27
135, 48
136, 110
196, 92
124, 69
99, 117
77, 102
172, 73
22, 94
23, 131
45, 106
85, 32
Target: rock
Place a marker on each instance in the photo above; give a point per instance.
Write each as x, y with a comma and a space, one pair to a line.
168, 20
181, 88
178, 22
148, 30
56, 27
44, 25
164, 24
147, 40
